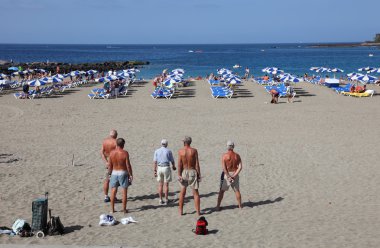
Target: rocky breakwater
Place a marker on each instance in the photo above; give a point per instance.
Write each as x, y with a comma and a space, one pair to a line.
68, 67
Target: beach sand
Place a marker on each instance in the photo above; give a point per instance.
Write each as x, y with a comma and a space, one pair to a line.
310, 173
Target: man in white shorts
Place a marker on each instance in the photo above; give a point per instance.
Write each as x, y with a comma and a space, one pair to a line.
162, 159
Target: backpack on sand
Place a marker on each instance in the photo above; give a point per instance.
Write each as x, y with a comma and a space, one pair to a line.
201, 226
54, 226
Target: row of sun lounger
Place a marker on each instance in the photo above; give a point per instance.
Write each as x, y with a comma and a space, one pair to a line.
49, 90
101, 93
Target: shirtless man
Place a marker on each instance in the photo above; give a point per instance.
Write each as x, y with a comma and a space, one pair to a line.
189, 173
232, 165
120, 170
108, 145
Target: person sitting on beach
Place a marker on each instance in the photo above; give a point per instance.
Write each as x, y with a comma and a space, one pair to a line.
360, 89
231, 166
275, 94
352, 88
120, 170
25, 90
189, 173
162, 159
109, 144
289, 92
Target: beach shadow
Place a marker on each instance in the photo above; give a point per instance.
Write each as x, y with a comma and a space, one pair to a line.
184, 93
241, 93
302, 92
248, 204
214, 231
149, 197
70, 229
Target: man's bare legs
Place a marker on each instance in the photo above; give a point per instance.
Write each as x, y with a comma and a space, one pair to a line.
125, 194
166, 189
197, 201
181, 199
113, 196
160, 185
220, 198
106, 186
238, 198
124, 200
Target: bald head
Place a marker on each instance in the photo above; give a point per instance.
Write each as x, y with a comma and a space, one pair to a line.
113, 133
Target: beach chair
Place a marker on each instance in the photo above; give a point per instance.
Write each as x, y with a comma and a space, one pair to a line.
367, 93
162, 93
339, 90
18, 95
219, 91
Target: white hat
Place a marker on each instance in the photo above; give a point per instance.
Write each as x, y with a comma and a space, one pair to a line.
164, 142
230, 144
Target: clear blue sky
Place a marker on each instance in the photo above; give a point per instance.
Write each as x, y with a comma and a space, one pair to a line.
187, 21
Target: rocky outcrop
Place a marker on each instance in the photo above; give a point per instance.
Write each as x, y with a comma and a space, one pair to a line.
67, 67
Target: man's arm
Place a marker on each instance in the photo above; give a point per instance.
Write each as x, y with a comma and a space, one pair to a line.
198, 169
110, 166
129, 167
240, 167
172, 161
224, 167
180, 166
102, 153
155, 164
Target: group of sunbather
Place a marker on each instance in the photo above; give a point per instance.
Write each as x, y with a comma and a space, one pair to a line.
119, 171
358, 89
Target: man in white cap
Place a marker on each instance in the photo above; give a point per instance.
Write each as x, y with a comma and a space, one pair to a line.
162, 159
231, 165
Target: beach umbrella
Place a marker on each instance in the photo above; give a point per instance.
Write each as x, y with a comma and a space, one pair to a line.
125, 74
367, 78
314, 68
354, 76
112, 77
322, 69
234, 80
2, 82
336, 70
40, 70
224, 71
13, 68
179, 70
367, 69
52, 80
36, 82
375, 70
171, 82
74, 73
59, 76
91, 72
102, 80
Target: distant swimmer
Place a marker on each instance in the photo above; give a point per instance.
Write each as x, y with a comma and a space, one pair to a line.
232, 166
189, 173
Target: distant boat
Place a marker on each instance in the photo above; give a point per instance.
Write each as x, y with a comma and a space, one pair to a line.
262, 50
370, 55
112, 47
236, 66
190, 51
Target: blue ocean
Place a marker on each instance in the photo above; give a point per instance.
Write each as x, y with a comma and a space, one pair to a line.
202, 59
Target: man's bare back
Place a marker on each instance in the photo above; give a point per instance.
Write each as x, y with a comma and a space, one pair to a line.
232, 161
119, 159
109, 144
188, 158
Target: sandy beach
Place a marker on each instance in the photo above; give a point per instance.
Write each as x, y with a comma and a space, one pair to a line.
310, 173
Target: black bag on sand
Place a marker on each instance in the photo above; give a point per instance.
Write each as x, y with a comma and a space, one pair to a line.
54, 226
